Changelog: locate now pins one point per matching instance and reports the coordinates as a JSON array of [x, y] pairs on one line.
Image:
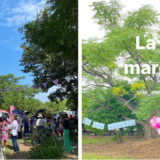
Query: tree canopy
[[50, 50], [103, 63], [25, 100]]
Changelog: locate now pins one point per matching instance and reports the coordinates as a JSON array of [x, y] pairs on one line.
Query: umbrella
[[17, 112], [26, 112], [40, 110]]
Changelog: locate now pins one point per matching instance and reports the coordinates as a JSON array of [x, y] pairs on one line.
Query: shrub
[[49, 148]]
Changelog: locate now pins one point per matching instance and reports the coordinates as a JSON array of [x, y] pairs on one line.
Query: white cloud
[[21, 13]]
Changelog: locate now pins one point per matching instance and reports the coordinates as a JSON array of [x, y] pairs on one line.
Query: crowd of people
[[61, 125]]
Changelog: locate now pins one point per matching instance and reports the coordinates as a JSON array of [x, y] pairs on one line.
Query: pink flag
[[11, 114], [55, 82], [44, 84], [17, 89], [35, 86]]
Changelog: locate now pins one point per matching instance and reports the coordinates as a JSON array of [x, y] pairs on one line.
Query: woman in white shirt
[[14, 128]]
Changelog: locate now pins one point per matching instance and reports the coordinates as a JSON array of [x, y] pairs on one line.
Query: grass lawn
[[95, 156], [25, 143], [92, 140]]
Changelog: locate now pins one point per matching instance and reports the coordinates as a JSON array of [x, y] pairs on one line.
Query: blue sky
[[13, 15]]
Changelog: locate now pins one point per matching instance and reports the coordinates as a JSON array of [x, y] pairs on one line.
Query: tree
[[50, 50], [101, 105], [103, 63], [23, 100]]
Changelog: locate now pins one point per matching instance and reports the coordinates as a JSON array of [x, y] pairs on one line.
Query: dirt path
[[25, 147], [131, 147]]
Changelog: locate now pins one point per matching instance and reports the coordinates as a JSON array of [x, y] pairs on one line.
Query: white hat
[[40, 115]]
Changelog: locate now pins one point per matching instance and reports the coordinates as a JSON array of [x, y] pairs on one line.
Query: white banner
[[98, 125], [87, 121], [122, 124]]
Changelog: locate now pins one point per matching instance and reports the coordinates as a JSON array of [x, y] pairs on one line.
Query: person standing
[[4, 132], [31, 123], [55, 126], [1, 148], [60, 129], [26, 124], [14, 129], [67, 134], [41, 125], [21, 125]]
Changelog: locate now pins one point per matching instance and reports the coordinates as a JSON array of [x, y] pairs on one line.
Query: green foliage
[[50, 40], [21, 100], [103, 65], [50, 148], [118, 137]]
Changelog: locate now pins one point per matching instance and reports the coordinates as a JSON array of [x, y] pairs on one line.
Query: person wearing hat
[[41, 125], [67, 133]]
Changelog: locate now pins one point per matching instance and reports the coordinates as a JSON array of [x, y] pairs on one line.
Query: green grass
[[86, 140], [95, 156]]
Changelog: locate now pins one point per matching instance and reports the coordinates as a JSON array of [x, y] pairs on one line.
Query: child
[[4, 132]]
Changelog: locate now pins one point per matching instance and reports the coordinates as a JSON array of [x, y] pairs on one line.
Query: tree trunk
[[149, 132]]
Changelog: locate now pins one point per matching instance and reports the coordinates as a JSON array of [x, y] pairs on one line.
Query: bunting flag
[[17, 89], [67, 78], [44, 84], [55, 82], [87, 121], [122, 124], [25, 88], [98, 125], [35, 86]]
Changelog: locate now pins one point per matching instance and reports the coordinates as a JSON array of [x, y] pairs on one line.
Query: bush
[[49, 148]]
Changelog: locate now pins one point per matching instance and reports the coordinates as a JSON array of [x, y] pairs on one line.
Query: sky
[[13, 15], [89, 29]]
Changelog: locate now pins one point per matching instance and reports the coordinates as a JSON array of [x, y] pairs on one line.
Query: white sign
[[122, 124], [87, 121], [98, 125]]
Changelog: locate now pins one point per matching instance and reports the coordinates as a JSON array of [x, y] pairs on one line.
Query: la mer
[[151, 44], [145, 68]]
